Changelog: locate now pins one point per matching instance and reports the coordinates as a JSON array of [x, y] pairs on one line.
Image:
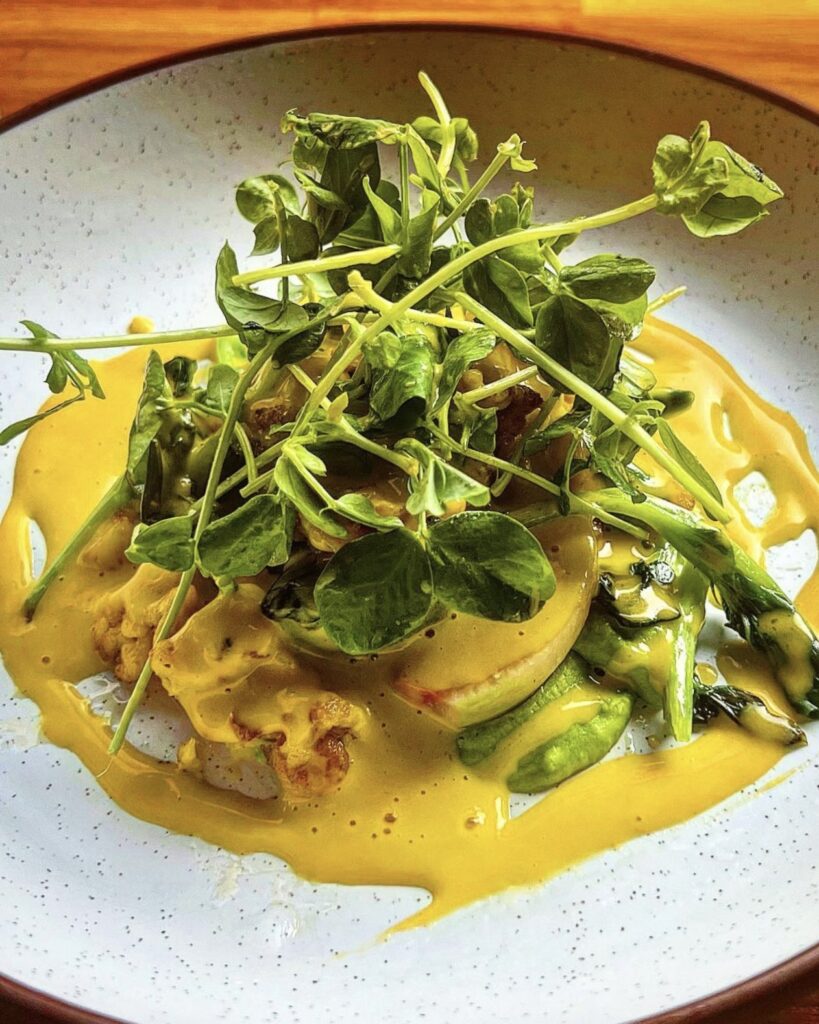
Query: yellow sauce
[[408, 812]]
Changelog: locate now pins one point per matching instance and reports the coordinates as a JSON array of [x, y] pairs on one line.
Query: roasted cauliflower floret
[[309, 753], [240, 684], [126, 619]]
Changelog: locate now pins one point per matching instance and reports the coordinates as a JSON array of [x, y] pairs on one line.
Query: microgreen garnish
[[433, 323]]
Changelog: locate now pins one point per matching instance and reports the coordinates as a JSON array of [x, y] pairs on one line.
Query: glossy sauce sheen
[[408, 813]]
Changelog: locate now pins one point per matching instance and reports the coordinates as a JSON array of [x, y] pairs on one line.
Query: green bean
[[579, 747], [477, 742], [748, 711], [655, 662], [624, 659], [754, 604]]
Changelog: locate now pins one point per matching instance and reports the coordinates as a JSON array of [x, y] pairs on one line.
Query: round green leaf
[[375, 591], [487, 564]]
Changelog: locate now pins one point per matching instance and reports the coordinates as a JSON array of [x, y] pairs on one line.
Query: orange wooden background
[[47, 46]]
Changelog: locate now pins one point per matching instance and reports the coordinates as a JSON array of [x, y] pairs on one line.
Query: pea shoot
[[420, 335]]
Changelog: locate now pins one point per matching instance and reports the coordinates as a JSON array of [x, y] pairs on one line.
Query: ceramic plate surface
[[116, 204]]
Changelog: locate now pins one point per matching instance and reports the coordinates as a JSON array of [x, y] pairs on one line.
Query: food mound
[[430, 457]]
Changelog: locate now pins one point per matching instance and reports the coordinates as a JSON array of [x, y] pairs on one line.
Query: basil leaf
[[266, 201], [167, 543], [366, 232], [576, 335], [222, 381], [487, 219], [231, 351], [687, 458], [57, 376], [148, 420], [501, 288], [683, 180], [21, 426], [247, 540], [84, 369], [467, 348], [301, 238], [38, 332], [424, 161], [180, 372], [267, 237], [259, 198], [294, 487], [629, 314], [344, 173], [388, 218], [439, 486], [480, 427], [254, 316], [375, 592], [487, 564], [360, 509], [383, 352], [611, 278], [403, 377], [66, 365], [323, 197], [414, 260], [742, 201], [715, 189], [302, 345], [339, 131], [466, 141]]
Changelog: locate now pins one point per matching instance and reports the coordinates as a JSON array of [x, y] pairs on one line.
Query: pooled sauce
[[408, 813]]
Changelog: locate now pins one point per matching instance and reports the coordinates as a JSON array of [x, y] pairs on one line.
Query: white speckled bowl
[[115, 204]]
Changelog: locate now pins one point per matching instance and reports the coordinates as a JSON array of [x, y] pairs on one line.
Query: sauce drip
[[408, 813]]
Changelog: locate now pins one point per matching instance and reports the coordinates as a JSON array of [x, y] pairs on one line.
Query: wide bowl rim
[[755, 987]]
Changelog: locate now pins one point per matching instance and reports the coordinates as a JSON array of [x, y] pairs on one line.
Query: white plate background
[[117, 204]]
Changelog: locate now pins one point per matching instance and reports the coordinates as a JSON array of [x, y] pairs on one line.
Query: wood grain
[[48, 46]]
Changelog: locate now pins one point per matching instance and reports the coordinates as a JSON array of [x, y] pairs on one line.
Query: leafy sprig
[[407, 288]]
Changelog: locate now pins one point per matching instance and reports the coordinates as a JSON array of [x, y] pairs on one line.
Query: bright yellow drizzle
[[409, 813]]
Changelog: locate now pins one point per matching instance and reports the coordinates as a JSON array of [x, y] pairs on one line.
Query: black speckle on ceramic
[[116, 205]]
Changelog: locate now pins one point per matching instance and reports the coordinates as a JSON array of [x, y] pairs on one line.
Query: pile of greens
[[387, 290]]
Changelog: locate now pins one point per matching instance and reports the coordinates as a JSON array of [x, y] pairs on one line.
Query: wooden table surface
[[47, 46]]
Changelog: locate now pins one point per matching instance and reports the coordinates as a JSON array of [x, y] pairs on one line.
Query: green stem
[[118, 340], [260, 481], [663, 300], [453, 269], [403, 158], [141, 685], [370, 298], [305, 380], [576, 504], [266, 383], [552, 258], [496, 165], [503, 482], [498, 386], [247, 451], [603, 405], [324, 263], [117, 495], [443, 115], [205, 511], [403, 462]]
